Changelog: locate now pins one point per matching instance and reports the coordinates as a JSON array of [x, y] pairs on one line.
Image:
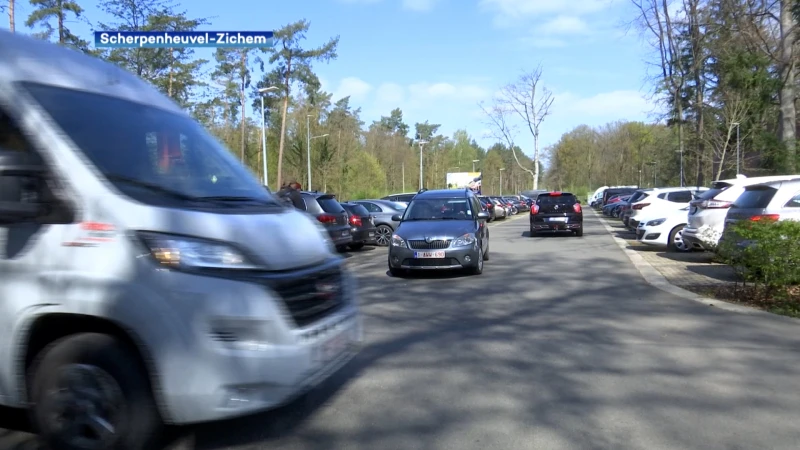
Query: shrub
[[766, 253]]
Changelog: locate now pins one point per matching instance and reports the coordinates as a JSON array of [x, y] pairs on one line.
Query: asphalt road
[[560, 344]]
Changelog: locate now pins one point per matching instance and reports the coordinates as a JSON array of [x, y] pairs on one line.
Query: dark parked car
[[362, 225], [382, 212], [489, 205], [441, 229], [330, 214], [556, 211]]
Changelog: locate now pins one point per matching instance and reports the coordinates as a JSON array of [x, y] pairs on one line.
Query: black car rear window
[[330, 205], [357, 210], [755, 197], [557, 199]]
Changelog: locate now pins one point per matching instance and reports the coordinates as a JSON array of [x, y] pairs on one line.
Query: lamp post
[[501, 181], [737, 148], [473, 163], [421, 143], [309, 155], [261, 92]]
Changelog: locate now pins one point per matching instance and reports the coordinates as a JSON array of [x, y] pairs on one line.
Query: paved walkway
[[694, 271]]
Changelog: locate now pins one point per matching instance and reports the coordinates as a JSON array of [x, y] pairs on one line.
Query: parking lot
[[560, 344]]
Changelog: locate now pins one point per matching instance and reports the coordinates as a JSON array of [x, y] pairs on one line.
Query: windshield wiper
[[152, 187]]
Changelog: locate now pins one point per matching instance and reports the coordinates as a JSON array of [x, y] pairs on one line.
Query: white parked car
[[707, 213], [665, 231], [661, 201]]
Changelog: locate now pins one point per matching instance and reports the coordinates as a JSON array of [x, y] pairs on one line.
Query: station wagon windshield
[[148, 152], [439, 209]]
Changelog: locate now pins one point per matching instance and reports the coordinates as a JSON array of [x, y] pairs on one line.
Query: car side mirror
[[21, 178], [483, 215], [397, 218]]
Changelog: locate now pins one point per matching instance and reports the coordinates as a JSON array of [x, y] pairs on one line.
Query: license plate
[[429, 254], [345, 233], [558, 219], [332, 348], [371, 234]]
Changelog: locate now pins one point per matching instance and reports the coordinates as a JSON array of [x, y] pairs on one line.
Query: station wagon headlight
[[464, 241], [179, 252], [397, 241], [655, 223]]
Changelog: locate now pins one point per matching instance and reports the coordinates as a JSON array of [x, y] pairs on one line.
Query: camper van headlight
[[191, 253]]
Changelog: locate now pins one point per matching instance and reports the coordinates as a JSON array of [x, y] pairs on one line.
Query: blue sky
[[437, 59]]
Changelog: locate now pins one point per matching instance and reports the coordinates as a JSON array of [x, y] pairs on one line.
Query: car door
[[480, 224]]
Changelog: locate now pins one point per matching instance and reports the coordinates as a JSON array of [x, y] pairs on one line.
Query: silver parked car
[[775, 200], [441, 229], [382, 212]]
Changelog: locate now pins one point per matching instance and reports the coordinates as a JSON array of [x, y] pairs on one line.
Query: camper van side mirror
[[20, 186]]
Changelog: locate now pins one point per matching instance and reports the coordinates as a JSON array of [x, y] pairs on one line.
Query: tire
[[357, 246], [579, 231], [676, 243], [341, 248], [107, 368], [532, 233], [486, 253], [396, 272], [383, 235], [478, 268]]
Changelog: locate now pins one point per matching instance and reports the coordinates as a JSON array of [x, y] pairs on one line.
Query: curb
[[653, 277]]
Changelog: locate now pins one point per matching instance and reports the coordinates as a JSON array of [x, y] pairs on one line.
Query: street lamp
[[263, 91], [501, 181], [737, 147], [421, 143], [473, 163], [309, 156], [655, 170]]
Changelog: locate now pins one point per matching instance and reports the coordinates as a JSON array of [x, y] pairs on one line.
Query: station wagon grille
[[439, 244], [311, 297], [436, 262]]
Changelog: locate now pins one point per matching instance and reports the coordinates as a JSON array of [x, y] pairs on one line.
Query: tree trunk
[[787, 93], [60, 24], [243, 62], [283, 123], [11, 15]]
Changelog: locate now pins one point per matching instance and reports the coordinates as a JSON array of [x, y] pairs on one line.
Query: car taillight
[[490, 206], [714, 204], [326, 218], [355, 221], [766, 218], [535, 209], [639, 206], [577, 207]]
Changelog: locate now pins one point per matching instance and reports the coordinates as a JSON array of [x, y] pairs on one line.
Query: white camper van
[[145, 275]]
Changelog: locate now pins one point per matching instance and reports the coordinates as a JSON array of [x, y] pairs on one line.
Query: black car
[[362, 225], [556, 211], [489, 206], [330, 213]]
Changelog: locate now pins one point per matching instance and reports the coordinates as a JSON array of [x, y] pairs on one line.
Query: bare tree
[[502, 130], [655, 20], [531, 102], [10, 9]]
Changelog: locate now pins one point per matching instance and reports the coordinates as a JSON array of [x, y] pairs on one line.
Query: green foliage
[[766, 253], [48, 11]]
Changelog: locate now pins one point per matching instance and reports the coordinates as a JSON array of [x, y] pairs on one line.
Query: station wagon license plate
[[439, 254], [371, 234], [558, 219]]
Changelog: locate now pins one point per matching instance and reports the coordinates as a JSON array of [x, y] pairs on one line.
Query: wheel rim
[[85, 407], [678, 241], [384, 235], [480, 261]]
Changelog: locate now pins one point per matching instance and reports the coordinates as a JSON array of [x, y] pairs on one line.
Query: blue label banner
[[183, 39]]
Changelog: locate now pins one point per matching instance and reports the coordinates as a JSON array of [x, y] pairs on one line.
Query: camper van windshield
[[147, 150]]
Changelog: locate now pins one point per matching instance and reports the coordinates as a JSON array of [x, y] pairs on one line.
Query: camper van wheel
[[90, 392]]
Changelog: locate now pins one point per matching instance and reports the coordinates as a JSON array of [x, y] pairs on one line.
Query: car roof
[[777, 183], [444, 193], [26, 59]]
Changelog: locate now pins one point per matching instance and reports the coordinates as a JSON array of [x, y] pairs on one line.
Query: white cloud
[[356, 88], [564, 25], [512, 11], [389, 94]]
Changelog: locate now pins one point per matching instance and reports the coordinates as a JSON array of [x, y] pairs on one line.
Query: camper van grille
[[311, 297]]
